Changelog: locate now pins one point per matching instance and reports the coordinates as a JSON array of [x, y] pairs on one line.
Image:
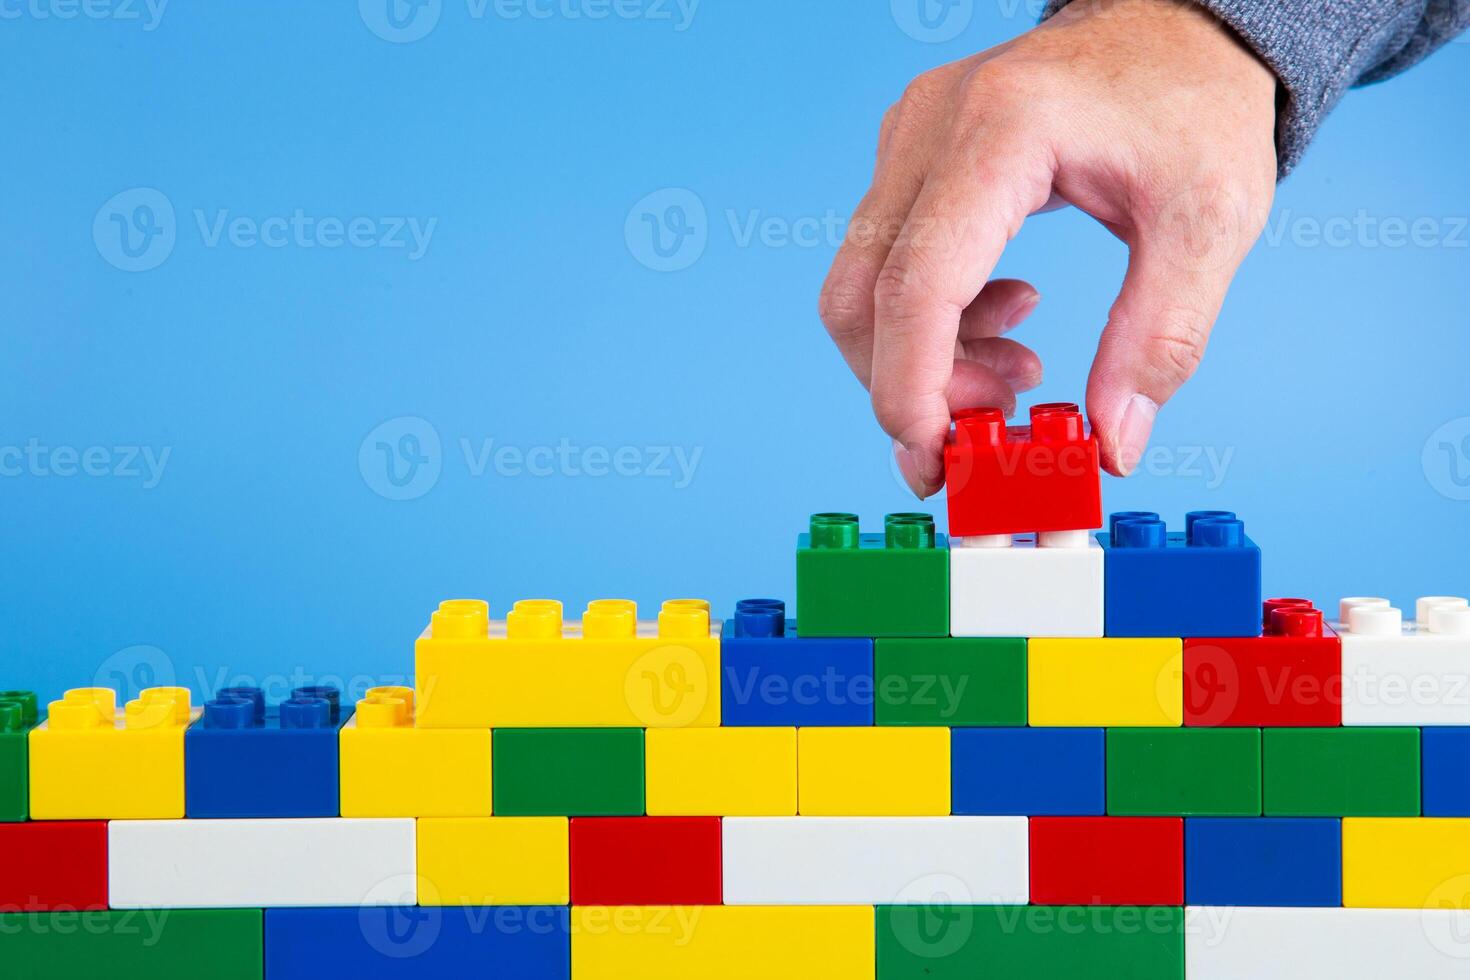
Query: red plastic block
[[1289, 677], [53, 866], [646, 861], [1107, 861], [1041, 477]]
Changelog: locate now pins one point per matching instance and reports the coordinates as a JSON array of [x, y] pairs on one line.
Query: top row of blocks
[[1137, 579]]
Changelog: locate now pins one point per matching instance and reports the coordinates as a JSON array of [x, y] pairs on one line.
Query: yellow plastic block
[[88, 762], [535, 671], [873, 772], [723, 942], [1406, 863], [392, 769], [1114, 681], [723, 772], [493, 861]]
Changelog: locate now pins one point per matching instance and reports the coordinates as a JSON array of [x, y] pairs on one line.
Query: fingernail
[[1138, 423], [1021, 311], [908, 466]]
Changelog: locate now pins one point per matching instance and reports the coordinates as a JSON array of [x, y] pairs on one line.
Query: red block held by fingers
[[53, 866], [1107, 861], [646, 861], [1290, 676], [1019, 479]]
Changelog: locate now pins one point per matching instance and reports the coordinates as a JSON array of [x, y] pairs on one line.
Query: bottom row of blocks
[[729, 943]]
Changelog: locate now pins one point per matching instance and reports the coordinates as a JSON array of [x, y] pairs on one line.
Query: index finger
[[960, 224]]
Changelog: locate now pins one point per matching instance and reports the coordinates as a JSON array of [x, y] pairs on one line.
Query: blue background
[[271, 551]]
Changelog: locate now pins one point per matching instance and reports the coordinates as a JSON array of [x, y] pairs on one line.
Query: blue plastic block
[[242, 760], [1033, 772], [510, 942], [771, 676], [1203, 582], [1445, 755], [1264, 861]]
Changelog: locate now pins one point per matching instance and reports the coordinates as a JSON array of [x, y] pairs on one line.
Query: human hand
[[1146, 114]]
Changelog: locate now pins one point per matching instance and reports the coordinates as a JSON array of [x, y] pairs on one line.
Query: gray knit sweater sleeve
[[1320, 48]]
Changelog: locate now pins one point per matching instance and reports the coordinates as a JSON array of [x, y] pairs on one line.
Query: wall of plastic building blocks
[[270, 447]]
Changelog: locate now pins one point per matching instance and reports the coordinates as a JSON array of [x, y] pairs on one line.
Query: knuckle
[[1177, 347], [924, 93], [843, 304]]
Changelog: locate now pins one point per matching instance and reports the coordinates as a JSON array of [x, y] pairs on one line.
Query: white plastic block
[[1405, 673], [1326, 944], [180, 864], [876, 860], [1001, 586]]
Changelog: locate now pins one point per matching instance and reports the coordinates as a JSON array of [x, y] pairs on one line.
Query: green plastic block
[[890, 584], [159, 944], [1020, 942], [1341, 772], [567, 772], [950, 682], [1184, 772], [17, 718]]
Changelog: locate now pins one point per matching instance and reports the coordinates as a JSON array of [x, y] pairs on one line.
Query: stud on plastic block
[[646, 861], [1291, 675], [1268, 861], [536, 671], [502, 943], [770, 676], [1028, 771], [1405, 673], [872, 585], [52, 866], [1107, 861], [17, 718], [89, 761], [1008, 480], [391, 768], [1049, 584], [242, 759], [1204, 581]]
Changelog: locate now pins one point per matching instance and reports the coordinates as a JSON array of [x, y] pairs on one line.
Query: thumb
[[1155, 337]]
